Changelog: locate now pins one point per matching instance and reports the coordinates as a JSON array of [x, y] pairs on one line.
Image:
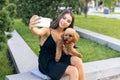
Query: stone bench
[[25, 61], [21, 54]]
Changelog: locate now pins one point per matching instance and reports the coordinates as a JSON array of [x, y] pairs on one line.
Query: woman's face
[[65, 21]]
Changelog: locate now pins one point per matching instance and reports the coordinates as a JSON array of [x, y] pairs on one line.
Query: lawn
[[5, 67], [106, 26]]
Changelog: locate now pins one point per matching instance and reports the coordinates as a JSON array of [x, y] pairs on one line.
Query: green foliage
[[71, 4], [109, 3], [11, 8], [5, 21], [3, 3], [13, 1], [2, 38], [2, 45], [46, 8], [7, 13]]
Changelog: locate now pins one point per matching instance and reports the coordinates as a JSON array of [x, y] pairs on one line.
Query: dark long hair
[[55, 24]]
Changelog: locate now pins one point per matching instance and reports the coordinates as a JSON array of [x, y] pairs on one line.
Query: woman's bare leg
[[72, 71], [77, 62]]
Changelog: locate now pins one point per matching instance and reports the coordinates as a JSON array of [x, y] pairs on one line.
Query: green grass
[[91, 51], [106, 26], [5, 67]]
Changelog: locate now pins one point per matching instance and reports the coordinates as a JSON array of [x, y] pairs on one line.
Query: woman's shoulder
[[46, 30]]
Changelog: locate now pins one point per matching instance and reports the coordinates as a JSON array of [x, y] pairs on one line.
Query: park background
[[15, 14]]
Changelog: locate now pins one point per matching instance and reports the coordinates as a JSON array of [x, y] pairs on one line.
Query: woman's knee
[[72, 70], [76, 61]]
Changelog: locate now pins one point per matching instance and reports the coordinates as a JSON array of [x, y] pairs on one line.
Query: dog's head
[[70, 35]]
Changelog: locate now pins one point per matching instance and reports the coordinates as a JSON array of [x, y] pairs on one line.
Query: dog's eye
[[66, 35], [70, 35]]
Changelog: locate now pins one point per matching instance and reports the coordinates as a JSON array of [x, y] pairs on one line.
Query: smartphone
[[43, 22]]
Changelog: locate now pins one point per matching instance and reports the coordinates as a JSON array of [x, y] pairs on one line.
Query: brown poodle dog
[[69, 37]]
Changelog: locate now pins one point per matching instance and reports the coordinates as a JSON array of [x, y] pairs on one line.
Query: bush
[[7, 14], [5, 21]]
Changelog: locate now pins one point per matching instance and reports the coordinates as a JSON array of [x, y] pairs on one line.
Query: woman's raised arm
[[37, 31]]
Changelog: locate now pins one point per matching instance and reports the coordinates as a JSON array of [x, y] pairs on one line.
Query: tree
[[11, 8], [6, 19], [109, 3], [83, 4], [46, 8]]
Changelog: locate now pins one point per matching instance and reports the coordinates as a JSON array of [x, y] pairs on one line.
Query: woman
[[68, 65]]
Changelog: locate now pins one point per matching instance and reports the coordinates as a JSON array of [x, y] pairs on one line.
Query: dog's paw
[[80, 55]]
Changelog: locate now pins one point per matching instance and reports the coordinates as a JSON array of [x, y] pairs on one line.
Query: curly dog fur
[[69, 37]]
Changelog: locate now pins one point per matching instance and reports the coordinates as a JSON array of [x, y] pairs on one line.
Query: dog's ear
[[76, 37]]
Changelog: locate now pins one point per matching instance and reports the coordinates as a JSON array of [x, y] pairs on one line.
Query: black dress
[[47, 63]]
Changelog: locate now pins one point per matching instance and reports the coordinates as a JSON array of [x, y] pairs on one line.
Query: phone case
[[43, 22]]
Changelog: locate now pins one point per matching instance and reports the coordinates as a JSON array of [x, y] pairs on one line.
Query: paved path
[[117, 16]]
